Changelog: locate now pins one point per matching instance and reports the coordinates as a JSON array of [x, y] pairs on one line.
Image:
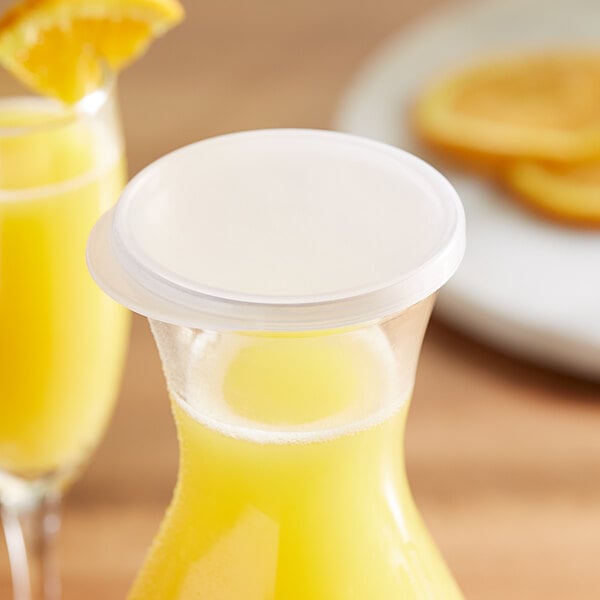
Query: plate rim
[[548, 347]]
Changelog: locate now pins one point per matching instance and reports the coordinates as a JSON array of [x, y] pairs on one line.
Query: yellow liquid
[[291, 482], [62, 340]]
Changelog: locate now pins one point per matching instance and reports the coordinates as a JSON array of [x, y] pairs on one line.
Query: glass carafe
[[290, 397]]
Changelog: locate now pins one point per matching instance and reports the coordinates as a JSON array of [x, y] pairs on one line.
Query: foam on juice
[[291, 389]]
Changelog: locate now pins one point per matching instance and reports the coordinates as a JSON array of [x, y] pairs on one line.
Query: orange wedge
[[542, 107], [567, 193], [62, 48]]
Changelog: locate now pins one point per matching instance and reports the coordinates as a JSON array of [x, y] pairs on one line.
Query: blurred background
[[503, 456]]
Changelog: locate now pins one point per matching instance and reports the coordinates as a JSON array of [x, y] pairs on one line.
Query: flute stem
[[31, 531]]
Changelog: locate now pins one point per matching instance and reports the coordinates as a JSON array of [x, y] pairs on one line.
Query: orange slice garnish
[[543, 107], [61, 47]]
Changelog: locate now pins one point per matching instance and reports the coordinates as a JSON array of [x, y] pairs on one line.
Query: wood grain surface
[[504, 458]]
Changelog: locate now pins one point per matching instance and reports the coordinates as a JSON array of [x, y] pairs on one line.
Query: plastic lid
[[279, 230]]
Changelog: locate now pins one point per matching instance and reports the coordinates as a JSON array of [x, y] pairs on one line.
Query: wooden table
[[504, 458]]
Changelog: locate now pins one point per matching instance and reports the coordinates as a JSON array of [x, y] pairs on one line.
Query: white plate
[[526, 285]]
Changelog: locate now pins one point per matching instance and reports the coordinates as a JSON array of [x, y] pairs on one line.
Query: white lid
[[279, 230]]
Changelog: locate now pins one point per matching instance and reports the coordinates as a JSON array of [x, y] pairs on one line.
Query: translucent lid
[[279, 230]]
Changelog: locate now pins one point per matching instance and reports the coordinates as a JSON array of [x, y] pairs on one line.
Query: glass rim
[[60, 117], [89, 106]]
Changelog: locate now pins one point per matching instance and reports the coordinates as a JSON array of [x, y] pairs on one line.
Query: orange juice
[[291, 482], [62, 341]]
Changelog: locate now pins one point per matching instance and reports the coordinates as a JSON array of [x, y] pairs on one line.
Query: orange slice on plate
[[62, 47], [542, 106], [567, 193]]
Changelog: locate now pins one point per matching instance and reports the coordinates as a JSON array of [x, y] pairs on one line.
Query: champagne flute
[[62, 342]]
